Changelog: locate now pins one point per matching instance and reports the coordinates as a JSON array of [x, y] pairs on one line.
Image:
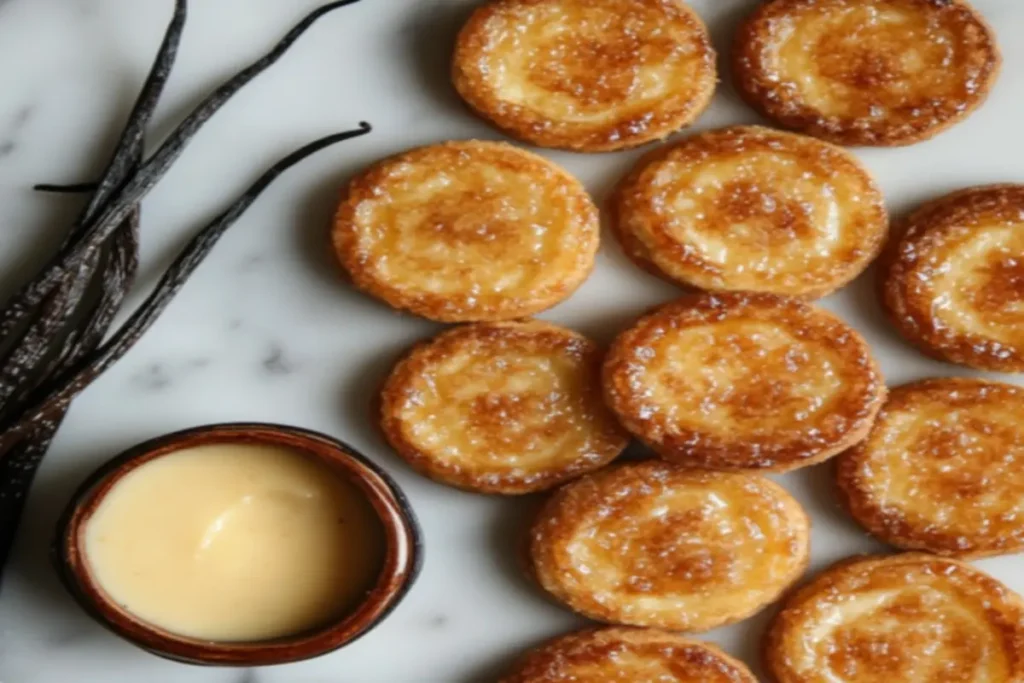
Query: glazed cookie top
[[743, 381], [866, 72], [953, 283], [752, 209], [906, 617], [587, 75], [655, 544], [627, 655], [943, 469], [501, 408], [467, 231]]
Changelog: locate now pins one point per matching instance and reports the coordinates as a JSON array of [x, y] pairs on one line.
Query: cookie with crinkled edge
[[467, 231], [740, 381], [953, 281], [866, 72], [506, 408], [654, 544], [749, 208], [941, 470], [586, 75], [909, 617], [627, 654]]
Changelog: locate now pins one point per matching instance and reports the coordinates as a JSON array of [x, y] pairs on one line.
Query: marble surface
[[266, 330]]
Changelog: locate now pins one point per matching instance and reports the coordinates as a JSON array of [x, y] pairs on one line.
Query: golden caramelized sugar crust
[[654, 544], [866, 72], [743, 381], [627, 655], [953, 283], [904, 618], [501, 408], [587, 75], [750, 208], [943, 469], [467, 231]]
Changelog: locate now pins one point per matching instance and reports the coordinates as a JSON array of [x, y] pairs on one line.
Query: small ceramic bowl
[[401, 565]]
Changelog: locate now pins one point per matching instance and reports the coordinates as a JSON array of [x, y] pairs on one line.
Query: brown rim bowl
[[403, 555]]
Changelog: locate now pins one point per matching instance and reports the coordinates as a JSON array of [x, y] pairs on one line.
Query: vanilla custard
[[235, 542]]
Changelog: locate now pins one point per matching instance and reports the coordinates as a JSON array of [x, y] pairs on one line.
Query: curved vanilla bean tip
[[114, 211], [129, 147], [71, 188], [49, 398]]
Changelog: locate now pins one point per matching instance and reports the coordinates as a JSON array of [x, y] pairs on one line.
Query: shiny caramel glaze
[[655, 544], [586, 75], [743, 381], [467, 231], [627, 655], [943, 469], [953, 283], [866, 72], [750, 208], [501, 408], [903, 618]]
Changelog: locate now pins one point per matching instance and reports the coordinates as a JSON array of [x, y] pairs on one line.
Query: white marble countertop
[[266, 330]]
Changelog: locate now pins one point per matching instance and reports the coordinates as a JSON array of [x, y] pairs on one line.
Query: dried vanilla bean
[[116, 210]]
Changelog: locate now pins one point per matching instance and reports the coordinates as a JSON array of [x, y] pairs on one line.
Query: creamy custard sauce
[[235, 542]]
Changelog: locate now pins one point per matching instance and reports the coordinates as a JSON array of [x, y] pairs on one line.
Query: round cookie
[[586, 75], [467, 231], [752, 209], [501, 408], [943, 469], [655, 544], [866, 72], [953, 283], [743, 381], [629, 655], [909, 617]]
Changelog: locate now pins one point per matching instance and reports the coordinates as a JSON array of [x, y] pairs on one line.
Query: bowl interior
[[399, 567]]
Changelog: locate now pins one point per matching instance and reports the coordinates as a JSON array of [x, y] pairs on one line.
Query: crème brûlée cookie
[[743, 381], [752, 209], [866, 72], [943, 469], [953, 282], [910, 617], [467, 231], [627, 655], [507, 408], [655, 544], [586, 75]]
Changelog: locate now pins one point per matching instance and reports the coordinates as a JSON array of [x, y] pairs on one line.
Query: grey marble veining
[[276, 361], [268, 331], [9, 134]]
